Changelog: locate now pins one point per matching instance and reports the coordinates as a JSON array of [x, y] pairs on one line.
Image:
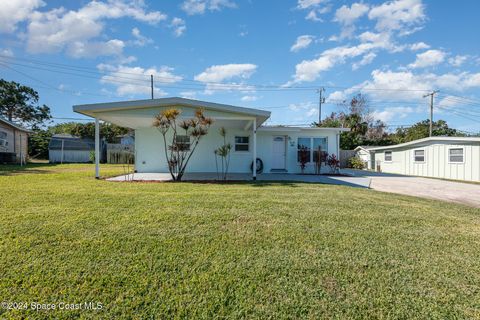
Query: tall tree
[[421, 130], [20, 103], [87, 130]]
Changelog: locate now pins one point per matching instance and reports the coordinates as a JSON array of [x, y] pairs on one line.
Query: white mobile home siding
[[436, 162]]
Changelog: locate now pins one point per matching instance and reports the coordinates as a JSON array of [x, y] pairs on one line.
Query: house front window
[[242, 143], [312, 144], [3, 140], [419, 155], [455, 155], [388, 156], [183, 142]]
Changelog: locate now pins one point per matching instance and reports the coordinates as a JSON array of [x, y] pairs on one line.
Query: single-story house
[[276, 146], [455, 158], [13, 142], [363, 152], [65, 148]]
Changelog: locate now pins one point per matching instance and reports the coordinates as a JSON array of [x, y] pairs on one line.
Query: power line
[[198, 82]]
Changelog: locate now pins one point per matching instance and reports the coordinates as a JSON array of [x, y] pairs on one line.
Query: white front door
[[278, 152]]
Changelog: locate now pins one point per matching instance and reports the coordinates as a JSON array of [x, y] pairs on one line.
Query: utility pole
[[151, 83], [320, 101], [433, 93]]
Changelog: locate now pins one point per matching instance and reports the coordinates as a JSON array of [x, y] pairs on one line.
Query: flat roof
[[88, 109], [429, 139], [295, 128]]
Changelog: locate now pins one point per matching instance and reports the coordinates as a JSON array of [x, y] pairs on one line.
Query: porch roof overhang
[[139, 113]]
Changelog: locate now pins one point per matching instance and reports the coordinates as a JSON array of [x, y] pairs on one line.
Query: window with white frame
[[3, 139], [455, 155], [242, 143], [312, 144], [183, 142], [419, 155], [388, 156]]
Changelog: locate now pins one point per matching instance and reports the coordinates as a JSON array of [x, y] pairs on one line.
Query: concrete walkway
[[464, 193], [360, 182]]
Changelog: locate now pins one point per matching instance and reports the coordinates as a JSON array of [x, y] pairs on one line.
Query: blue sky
[[264, 54]]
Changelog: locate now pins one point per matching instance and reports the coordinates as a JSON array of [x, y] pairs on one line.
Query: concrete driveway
[[464, 193]]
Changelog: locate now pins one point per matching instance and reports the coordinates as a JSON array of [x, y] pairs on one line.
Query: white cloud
[[92, 49], [249, 98], [310, 70], [59, 29], [219, 73], [306, 4], [390, 113], [178, 26], [193, 7], [140, 40], [302, 42], [7, 52], [135, 80], [188, 94], [398, 15], [458, 60], [314, 8], [367, 59], [428, 58], [15, 11], [419, 46], [346, 16]]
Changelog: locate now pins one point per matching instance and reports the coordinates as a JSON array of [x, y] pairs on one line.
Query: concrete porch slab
[[360, 182]]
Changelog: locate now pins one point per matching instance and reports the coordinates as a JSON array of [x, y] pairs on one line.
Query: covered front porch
[[345, 180]]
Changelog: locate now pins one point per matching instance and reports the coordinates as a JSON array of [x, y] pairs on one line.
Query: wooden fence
[[345, 155]]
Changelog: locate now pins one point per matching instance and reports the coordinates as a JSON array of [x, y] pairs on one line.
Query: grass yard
[[243, 250]]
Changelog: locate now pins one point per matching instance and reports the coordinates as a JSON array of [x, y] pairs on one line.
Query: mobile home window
[[388, 155], [419, 155], [455, 155], [183, 142], [241, 143]]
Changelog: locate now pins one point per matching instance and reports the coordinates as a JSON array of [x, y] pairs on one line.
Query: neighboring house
[[125, 139], [276, 146], [13, 142], [363, 152], [123, 150], [455, 158], [65, 148]]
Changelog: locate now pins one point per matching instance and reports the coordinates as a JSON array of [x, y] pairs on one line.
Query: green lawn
[[244, 250]]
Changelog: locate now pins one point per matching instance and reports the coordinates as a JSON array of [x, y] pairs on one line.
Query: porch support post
[[254, 171], [97, 149]]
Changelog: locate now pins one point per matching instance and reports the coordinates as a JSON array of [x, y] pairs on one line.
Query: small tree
[[178, 151], [333, 163], [224, 153]]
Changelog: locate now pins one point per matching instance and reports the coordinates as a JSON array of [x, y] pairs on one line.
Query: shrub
[[356, 163]]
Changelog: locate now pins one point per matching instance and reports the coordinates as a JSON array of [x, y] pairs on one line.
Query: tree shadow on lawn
[[30, 168]]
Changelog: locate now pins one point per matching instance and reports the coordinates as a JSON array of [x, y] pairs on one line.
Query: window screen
[[388, 155], [455, 155], [241, 144], [419, 155]]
